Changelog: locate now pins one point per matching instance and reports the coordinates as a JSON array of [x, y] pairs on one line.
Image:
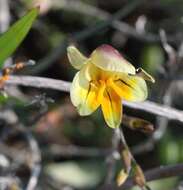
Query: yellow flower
[[105, 78]]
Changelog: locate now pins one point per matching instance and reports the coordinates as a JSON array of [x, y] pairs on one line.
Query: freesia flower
[[105, 79]]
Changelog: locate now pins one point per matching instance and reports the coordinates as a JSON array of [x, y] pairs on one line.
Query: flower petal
[[111, 108], [90, 71], [109, 59], [131, 88], [84, 95], [76, 58], [93, 73]]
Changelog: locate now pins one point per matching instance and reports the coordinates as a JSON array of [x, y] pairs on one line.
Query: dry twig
[[46, 83], [113, 20], [4, 15], [158, 173], [35, 164]]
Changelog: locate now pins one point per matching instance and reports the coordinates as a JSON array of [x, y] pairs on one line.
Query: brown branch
[[151, 175], [158, 173], [148, 106]]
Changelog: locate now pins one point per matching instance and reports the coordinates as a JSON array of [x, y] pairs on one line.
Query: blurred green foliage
[[152, 58], [170, 149]]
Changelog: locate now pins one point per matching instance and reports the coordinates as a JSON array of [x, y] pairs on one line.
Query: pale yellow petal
[[90, 72], [94, 73], [109, 59], [111, 108], [131, 88], [84, 95], [76, 58]]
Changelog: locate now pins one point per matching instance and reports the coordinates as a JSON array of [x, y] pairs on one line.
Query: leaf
[[11, 39]]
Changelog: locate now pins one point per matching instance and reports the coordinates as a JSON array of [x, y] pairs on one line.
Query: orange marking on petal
[[131, 88]]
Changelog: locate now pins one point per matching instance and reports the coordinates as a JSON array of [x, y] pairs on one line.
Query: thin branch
[[82, 35], [158, 173], [36, 160], [165, 96], [46, 83], [112, 158], [156, 109], [66, 151], [35, 163], [39, 82], [90, 10], [168, 48], [4, 15]]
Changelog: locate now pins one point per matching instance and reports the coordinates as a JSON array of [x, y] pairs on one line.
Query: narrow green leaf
[[12, 38]]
